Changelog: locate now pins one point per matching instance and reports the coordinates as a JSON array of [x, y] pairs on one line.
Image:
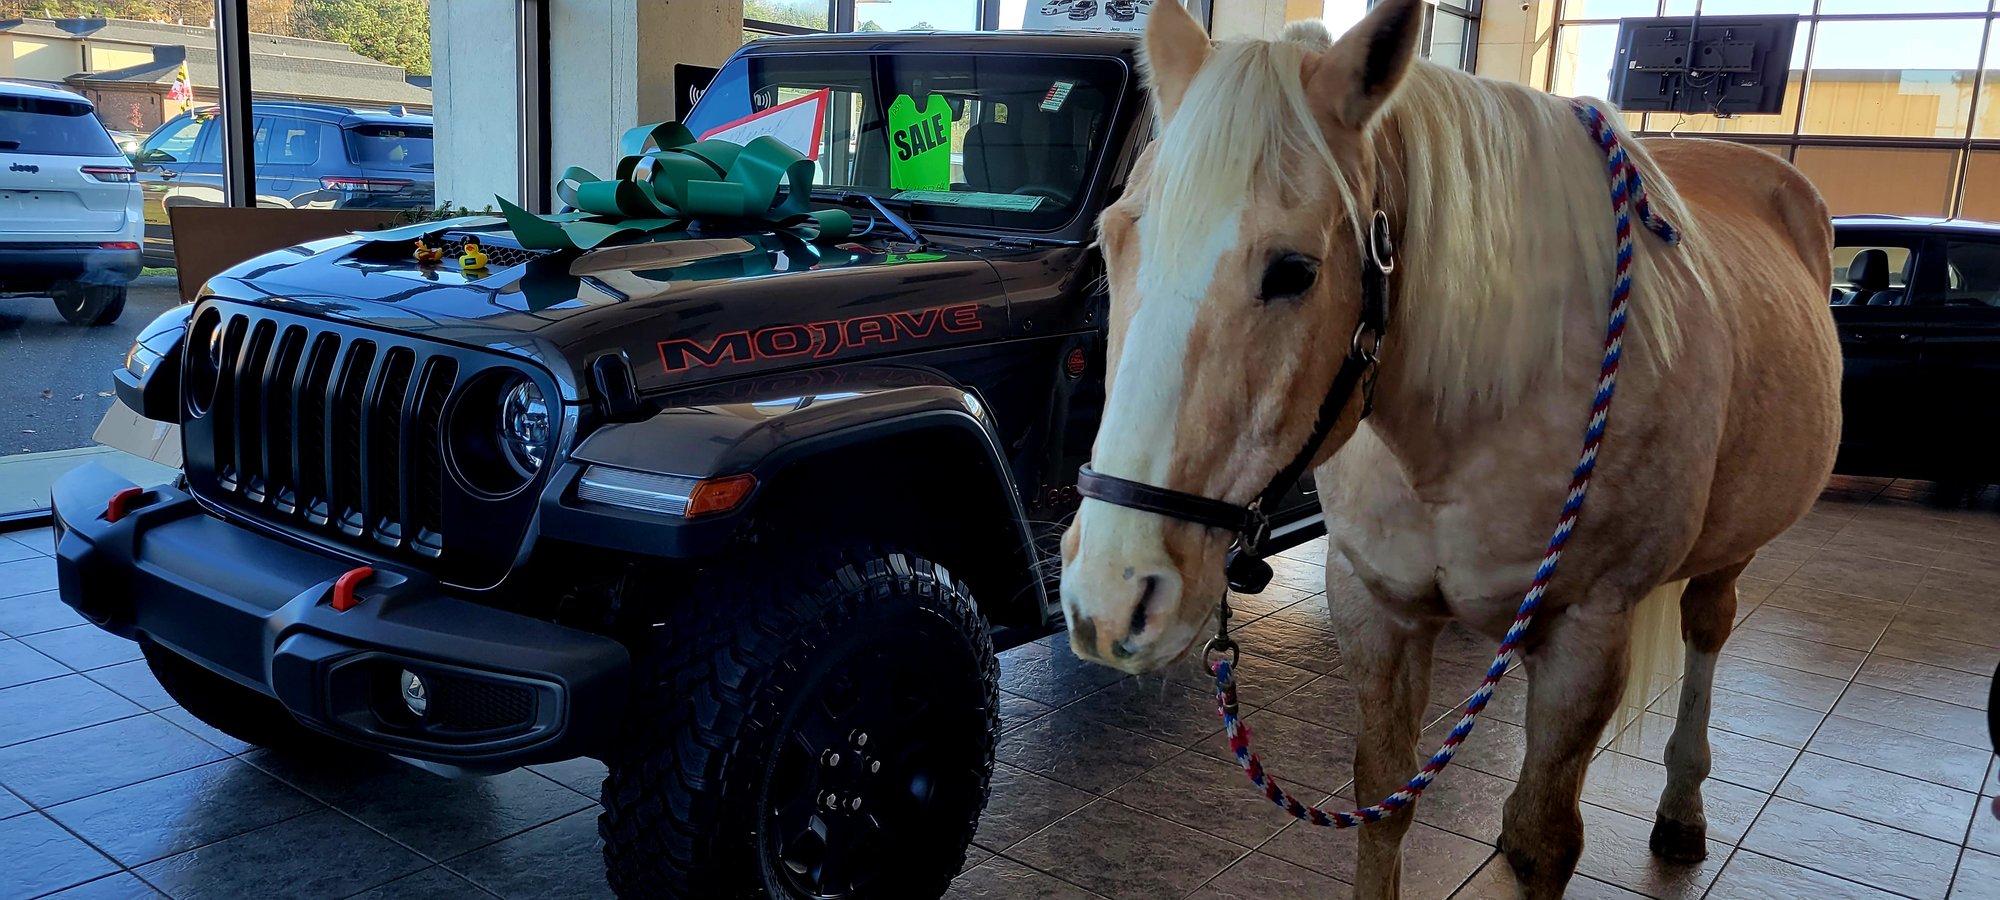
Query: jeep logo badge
[[24, 167]]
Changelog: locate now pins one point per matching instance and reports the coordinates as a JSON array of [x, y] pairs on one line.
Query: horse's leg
[[1575, 678], [1708, 608], [1388, 659]]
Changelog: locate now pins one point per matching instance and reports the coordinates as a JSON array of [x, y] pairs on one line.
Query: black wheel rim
[[876, 763]]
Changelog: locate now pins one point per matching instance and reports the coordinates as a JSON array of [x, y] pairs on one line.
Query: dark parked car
[[307, 156], [743, 516], [1917, 302]]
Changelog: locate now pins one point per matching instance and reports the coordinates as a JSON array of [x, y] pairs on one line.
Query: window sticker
[[920, 139], [1058, 92], [797, 124], [974, 200]]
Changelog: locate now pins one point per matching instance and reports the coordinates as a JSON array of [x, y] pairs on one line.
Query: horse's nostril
[[1086, 630], [1147, 587]]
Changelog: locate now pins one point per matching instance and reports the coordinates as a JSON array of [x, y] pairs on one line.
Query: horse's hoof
[[1679, 842]]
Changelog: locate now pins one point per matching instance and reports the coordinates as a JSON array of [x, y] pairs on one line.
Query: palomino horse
[[1236, 260]]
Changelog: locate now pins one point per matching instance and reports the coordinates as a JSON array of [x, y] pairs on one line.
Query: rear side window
[[390, 146], [1974, 273], [284, 140], [52, 127]]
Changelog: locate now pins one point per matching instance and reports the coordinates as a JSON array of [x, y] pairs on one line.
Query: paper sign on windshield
[[974, 200], [920, 144], [797, 124]]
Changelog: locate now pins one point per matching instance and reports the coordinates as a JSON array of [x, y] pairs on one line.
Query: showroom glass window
[[1451, 27], [341, 120], [1887, 107]]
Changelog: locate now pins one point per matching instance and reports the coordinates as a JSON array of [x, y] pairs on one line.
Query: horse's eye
[[1287, 277]]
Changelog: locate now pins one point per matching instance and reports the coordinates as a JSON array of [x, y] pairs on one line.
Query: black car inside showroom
[[814, 449]]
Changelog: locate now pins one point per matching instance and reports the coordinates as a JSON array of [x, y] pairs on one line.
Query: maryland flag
[[183, 90]]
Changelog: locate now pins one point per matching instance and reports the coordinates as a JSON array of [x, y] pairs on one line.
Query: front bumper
[[504, 689], [36, 267]]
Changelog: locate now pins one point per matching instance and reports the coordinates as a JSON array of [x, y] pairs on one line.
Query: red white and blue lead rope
[[1628, 195]]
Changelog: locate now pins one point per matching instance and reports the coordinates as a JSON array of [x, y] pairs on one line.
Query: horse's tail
[[1655, 656]]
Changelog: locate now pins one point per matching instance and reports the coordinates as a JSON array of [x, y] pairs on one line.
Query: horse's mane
[[1505, 209]]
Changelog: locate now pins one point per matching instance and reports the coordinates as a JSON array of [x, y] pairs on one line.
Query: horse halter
[[1247, 572]]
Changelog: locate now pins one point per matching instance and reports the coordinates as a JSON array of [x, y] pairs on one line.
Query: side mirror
[[150, 382], [156, 157]]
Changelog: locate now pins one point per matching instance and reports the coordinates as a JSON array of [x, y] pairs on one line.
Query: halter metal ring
[[1381, 248], [1217, 645], [1367, 342]]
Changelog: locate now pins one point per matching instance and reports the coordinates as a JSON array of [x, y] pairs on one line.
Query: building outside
[[128, 68]]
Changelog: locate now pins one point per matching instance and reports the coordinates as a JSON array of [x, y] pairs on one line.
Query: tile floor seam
[[1798, 865], [121, 867], [1222, 871], [233, 754], [462, 876], [1059, 879], [1765, 807], [357, 820], [143, 712], [1872, 768]]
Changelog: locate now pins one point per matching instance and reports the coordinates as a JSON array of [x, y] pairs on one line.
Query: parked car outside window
[[307, 156], [69, 208]]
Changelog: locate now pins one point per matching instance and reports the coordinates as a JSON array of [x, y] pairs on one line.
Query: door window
[[173, 143], [1871, 275], [285, 140], [1972, 272]]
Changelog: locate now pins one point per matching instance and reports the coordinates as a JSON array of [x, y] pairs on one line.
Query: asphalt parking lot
[[55, 378]]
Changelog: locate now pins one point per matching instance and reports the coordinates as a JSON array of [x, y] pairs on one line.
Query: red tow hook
[[122, 503], [343, 588]]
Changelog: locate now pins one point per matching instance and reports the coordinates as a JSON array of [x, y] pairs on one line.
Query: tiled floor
[[1849, 742]]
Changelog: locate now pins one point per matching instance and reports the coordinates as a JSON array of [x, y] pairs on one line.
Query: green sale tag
[[921, 139]]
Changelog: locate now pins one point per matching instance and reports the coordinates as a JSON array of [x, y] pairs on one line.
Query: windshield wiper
[[895, 221]]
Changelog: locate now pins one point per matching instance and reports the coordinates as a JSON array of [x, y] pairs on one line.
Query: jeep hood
[[682, 309]]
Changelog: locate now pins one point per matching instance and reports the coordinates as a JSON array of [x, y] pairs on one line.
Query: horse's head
[[1235, 262]]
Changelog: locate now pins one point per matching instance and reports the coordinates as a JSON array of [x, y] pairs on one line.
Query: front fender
[[763, 426]]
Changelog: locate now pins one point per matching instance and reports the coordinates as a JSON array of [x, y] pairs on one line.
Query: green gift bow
[[679, 181]]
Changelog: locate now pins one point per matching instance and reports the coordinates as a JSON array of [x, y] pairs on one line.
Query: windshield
[[962, 138], [52, 127]]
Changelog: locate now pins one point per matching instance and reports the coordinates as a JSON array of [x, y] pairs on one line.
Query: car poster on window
[[1094, 15], [798, 124]]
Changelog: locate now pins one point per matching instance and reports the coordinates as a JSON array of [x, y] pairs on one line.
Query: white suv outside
[[70, 214]]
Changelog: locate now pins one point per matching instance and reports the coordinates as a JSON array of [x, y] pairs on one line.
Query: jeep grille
[[339, 434]]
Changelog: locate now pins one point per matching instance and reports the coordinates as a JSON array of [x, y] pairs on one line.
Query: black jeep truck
[[745, 517]]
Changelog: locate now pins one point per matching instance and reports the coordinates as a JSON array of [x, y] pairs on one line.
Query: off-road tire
[[89, 305], [733, 674], [228, 707]]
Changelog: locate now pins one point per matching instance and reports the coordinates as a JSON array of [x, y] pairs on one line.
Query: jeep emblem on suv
[[24, 167]]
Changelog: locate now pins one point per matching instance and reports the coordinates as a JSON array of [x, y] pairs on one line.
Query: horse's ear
[[1174, 50], [1349, 83]]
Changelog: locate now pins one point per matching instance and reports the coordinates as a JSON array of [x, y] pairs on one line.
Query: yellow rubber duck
[[473, 257], [428, 255]]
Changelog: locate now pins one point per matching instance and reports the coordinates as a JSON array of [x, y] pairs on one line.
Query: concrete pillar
[[611, 66], [1517, 40], [476, 146], [1253, 18]]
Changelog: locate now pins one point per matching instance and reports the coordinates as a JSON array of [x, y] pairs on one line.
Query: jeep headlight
[[525, 427]]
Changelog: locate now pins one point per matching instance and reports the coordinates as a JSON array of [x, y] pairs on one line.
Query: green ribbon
[[679, 181]]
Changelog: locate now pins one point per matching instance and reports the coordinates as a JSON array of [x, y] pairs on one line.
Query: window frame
[[1796, 137]]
